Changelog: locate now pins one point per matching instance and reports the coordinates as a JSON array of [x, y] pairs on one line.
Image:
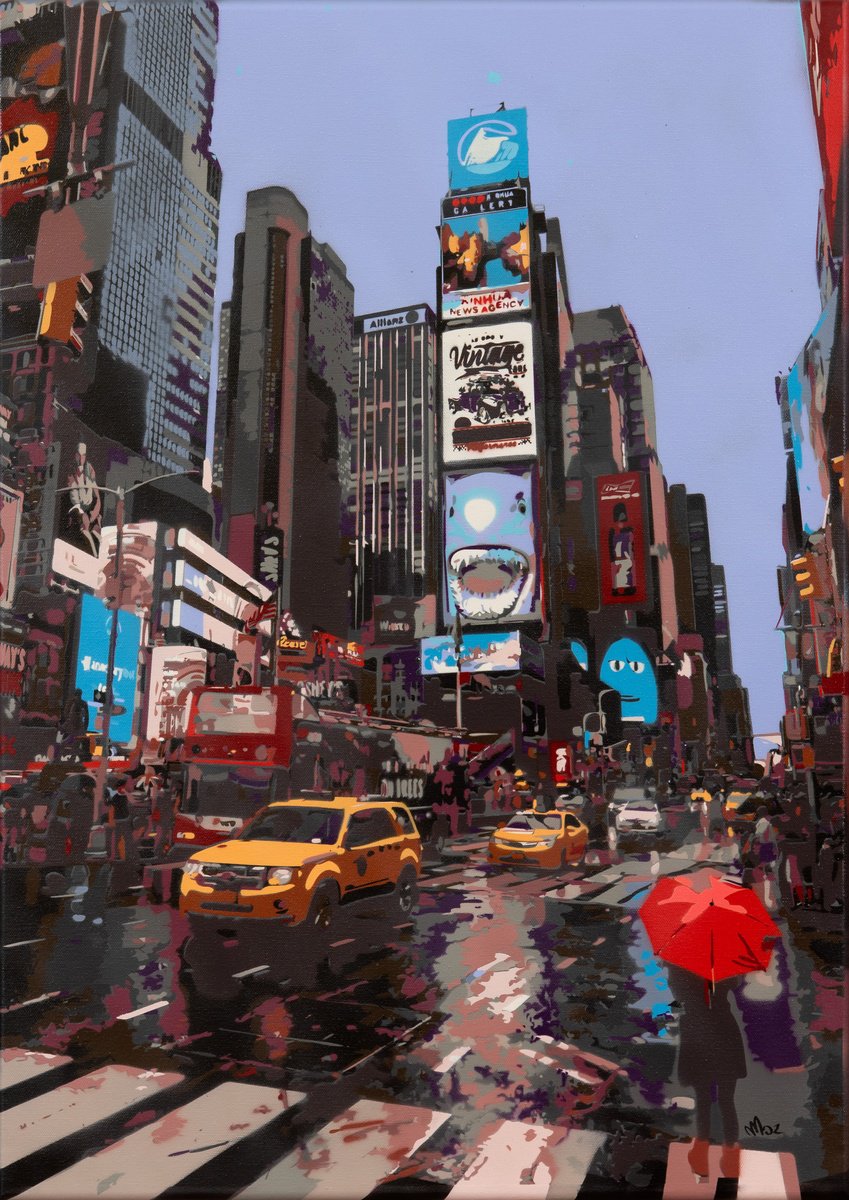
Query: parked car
[[298, 860], [539, 839], [640, 816]]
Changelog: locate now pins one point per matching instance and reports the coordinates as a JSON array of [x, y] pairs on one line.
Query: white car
[[640, 816]]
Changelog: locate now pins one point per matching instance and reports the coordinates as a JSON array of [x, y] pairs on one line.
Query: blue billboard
[[628, 670], [488, 149], [92, 655], [806, 400]]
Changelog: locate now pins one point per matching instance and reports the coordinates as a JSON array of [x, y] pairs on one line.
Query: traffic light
[[807, 573], [63, 311]]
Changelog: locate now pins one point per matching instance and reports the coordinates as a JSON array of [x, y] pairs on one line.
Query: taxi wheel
[[322, 912], [406, 892]]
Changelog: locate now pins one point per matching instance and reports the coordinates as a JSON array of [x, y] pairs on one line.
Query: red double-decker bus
[[235, 758]]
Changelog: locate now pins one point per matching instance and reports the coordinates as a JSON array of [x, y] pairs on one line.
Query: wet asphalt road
[[509, 997]]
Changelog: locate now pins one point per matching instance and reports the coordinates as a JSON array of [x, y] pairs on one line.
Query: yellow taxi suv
[[539, 839], [298, 860]]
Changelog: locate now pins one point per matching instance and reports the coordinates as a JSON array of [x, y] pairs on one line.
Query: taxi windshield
[[304, 825], [535, 821]]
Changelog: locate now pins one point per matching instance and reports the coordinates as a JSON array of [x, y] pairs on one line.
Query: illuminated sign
[[488, 393], [395, 320], [627, 668], [480, 653], [486, 254], [622, 555], [26, 145], [92, 655], [488, 149], [491, 560]]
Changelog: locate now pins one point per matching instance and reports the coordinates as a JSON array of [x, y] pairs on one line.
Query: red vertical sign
[[560, 755], [621, 538]]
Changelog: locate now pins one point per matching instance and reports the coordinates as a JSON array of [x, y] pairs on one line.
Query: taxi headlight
[[280, 875], [546, 843], [192, 868]]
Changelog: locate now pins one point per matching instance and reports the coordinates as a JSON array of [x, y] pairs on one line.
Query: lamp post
[[458, 646], [106, 717]]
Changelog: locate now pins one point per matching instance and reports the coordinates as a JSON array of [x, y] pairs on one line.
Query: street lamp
[[457, 633], [106, 719]]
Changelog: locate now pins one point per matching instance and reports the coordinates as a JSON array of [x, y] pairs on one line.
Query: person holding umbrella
[[709, 930]]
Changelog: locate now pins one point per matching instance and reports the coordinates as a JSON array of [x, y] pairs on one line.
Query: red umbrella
[[709, 925]]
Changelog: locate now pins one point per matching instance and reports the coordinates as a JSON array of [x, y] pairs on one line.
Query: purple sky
[[675, 142]]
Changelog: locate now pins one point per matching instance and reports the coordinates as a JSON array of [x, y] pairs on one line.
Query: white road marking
[[19, 1065], [450, 1059], [148, 1161], [27, 1003], [363, 1146], [250, 971], [137, 1012], [30, 942], [31, 1127]]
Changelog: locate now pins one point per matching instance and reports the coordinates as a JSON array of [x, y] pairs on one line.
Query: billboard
[[11, 505], [92, 653], [174, 670], [26, 148], [486, 254], [621, 538], [488, 393], [480, 653], [806, 402], [488, 149], [628, 670], [395, 320], [490, 537]]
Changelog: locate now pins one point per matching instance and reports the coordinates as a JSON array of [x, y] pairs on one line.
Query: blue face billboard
[[491, 562], [627, 669], [92, 655], [488, 149]]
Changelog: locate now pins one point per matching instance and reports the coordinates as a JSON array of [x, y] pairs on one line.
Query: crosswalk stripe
[[18, 1065], [763, 1175], [157, 1157], [358, 1149], [38, 1123], [529, 1161]]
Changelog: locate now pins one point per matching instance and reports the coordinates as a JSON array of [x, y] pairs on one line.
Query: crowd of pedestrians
[[54, 820]]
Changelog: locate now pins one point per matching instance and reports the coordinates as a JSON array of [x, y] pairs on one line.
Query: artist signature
[[756, 1128]]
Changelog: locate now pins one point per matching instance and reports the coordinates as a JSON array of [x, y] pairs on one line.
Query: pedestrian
[[711, 1056], [164, 817], [118, 790], [764, 840], [715, 814]]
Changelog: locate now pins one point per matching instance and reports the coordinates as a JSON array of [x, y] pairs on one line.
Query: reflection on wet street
[[516, 1015]]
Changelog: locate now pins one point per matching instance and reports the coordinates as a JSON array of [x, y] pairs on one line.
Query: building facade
[[393, 437], [290, 376]]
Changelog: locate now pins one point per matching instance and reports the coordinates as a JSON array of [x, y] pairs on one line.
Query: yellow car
[[539, 839], [298, 860]]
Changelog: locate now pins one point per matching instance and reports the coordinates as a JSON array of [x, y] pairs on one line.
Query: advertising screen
[[479, 653], [488, 393], [621, 538], [491, 557], [488, 149], [806, 401], [485, 254], [95, 623], [627, 669]]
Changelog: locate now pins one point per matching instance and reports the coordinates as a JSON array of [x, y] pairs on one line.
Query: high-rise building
[[393, 437], [156, 293], [290, 379], [220, 426]]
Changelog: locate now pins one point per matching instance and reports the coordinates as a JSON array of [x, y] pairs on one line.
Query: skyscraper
[[290, 378], [156, 295], [393, 433]]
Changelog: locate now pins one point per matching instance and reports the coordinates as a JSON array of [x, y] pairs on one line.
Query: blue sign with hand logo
[[488, 149], [92, 658]]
